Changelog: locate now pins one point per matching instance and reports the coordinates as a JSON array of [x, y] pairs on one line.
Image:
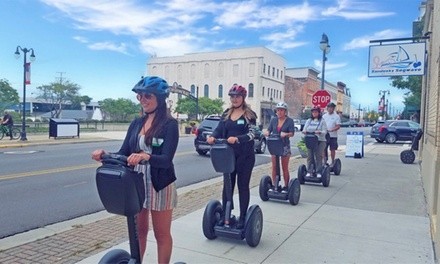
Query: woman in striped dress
[[153, 138]]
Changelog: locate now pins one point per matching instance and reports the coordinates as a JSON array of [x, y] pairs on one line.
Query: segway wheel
[[294, 191], [254, 226], [407, 156], [302, 171], [325, 176], [265, 184], [211, 216], [337, 167], [115, 256]]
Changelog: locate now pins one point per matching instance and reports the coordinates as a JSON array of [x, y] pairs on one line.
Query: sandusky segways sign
[[355, 144]]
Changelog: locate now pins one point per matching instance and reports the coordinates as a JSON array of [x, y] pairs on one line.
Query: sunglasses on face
[[235, 96], [141, 96]]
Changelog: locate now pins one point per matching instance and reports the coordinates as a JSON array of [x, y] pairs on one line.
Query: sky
[[104, 45]]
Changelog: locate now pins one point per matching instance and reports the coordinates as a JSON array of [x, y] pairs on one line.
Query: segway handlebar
[[118, 159]]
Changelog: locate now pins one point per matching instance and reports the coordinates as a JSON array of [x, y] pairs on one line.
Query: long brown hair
[[248, 113], [161, 117]]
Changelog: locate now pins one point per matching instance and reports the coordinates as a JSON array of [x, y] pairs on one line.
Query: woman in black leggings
[[235, 127]]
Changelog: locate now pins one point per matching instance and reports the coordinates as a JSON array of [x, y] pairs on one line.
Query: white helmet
[[281, 105]]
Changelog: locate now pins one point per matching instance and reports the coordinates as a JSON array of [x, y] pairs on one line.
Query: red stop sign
[[321, 98]]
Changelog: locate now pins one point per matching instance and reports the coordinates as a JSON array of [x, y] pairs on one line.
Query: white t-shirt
[[332, 120]]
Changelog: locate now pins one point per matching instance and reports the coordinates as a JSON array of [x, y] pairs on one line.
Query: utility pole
[[61, 77], [359, 112]]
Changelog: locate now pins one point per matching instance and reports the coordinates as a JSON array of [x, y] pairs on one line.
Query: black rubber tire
[[407, 156], [302, 171], [265, 184], [391, 138], [115, 256], [325, 176], [254, 226], [262, 148], [337, 167], [16, 133], [294, 191], [202, 152], [211, 216], [2, 135]]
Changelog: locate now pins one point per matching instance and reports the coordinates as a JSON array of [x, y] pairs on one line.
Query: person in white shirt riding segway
[[333, 121]]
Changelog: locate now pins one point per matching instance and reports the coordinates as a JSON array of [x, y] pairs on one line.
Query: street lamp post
[[325, 47], [382, 101], [32, 58]]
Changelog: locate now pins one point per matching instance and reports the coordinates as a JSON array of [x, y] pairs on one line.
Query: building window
[[262, 92], [235, 70], [273, 71], [221, 69], [278, 72], [206, 70], [264, 68], [220, 91], [206, 90], [251, 69], [251, 90], [193, 71], [268, 69], [269, 92], [193, 90], [281, 95], [281, 74]]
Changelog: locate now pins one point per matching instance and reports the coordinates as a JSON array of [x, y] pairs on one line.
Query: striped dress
[[165, 199]]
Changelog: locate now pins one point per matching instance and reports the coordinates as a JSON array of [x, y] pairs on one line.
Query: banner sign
[[27, 70], [397, 60], [354, 144]]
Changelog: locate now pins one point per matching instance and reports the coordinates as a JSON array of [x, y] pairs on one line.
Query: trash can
[[63, 128]]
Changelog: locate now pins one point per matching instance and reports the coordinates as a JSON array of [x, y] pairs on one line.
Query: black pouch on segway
[[275, 145], [222, 158], [120, 188], [311, 141]]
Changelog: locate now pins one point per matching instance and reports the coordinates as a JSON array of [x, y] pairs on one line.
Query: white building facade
[[212, 74]]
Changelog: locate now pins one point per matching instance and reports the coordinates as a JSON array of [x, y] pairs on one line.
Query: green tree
[[58, 94], [121, 109], [77, 100], [8, 95], [186, 106], [413, 87], [209, 106]]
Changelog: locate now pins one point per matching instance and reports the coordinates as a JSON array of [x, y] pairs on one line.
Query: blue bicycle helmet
[[153, 85]]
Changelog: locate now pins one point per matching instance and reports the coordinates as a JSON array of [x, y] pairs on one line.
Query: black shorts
[[332, 142]]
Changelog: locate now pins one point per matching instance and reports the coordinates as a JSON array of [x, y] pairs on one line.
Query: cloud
[[122, 48], [81, 39], [354, 10], [364, 41], [170, 45], [329, 66], [280, 41], [363, 78]]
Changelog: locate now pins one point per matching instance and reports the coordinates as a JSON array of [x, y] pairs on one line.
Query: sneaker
[[285, 189], [308, 174], [319, 175]]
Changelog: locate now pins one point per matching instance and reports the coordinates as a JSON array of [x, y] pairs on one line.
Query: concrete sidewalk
[[374, 212]]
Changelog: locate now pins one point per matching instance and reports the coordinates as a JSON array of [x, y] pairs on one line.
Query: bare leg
[[274, 170], [333, 155], [162, 232], [142, 227], [285, 165]]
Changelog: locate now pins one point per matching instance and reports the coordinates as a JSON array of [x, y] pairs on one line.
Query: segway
[[336, 166], [408, 156], [312, 143], [220, 222], [122, 192], [274, 191]]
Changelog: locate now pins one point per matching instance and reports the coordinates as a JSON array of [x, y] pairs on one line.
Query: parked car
[[374, 132], [297, 124], [397, 130], [210, 123], [349, 123]]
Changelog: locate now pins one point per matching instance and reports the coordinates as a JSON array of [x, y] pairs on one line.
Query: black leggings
[[244, 163]]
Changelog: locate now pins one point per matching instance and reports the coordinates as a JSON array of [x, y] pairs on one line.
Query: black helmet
[[331, 104]]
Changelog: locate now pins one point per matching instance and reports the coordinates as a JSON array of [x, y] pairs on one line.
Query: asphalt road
[[42, 185]]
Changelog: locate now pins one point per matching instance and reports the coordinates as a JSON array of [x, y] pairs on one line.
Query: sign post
[[321, 98]]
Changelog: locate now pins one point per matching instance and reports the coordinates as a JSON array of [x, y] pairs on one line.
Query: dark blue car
[[395, 130]]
